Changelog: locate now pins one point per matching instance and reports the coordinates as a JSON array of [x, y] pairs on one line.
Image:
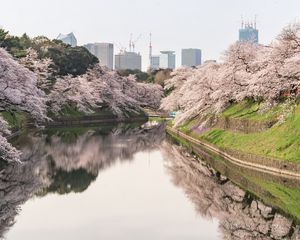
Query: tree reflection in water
[[69, 160], [64, 161], [214, 196]]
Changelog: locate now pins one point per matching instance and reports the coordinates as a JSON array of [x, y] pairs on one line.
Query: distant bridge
[[154, 113]]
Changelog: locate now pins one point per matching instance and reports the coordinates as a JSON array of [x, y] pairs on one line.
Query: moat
[[136, 182]]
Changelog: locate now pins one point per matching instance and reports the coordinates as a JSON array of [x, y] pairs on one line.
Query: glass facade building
[[68, 39], [191, 57]]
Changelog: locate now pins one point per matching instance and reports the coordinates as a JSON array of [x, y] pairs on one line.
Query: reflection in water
[[214, 196], [65, 161]]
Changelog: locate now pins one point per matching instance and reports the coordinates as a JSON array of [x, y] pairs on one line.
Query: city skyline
[[173, 24]]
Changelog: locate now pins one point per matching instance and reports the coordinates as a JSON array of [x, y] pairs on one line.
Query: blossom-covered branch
[[248, 71], [104, 88]]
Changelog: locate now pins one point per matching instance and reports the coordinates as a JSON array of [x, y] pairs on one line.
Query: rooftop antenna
[[130, 43], [255, 21], [150, 52], [242, 21]]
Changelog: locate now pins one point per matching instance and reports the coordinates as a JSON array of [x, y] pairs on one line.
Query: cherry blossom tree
[[248, 71], [101, 87], [41, 67], [7, 152], [18, 92]]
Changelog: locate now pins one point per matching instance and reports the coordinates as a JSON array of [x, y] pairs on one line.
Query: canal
[[134, 182]]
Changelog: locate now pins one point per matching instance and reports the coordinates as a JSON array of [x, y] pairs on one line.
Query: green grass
[[157, 119], [250, 110], [281, 141], [186, 127], [178, 140], [280, 196], [14, 119], [170, 123], [67, 111], [72, 111]]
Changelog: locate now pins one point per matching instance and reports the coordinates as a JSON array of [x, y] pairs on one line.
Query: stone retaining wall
[[279, 164], [260, 163], [239, 125]]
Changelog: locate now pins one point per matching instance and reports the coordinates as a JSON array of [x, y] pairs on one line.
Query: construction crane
[[121, 48], [132, 43]]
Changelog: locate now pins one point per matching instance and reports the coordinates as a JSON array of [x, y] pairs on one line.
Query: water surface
[[108, 185], [130, 182]]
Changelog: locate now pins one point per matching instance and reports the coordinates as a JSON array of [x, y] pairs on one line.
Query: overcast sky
[[207, 24]]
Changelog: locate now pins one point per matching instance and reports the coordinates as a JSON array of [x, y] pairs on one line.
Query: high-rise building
[[191, 57], [68, 39], [155, 62], [167, 60], [104, 52], [248, 33], [128, 60]]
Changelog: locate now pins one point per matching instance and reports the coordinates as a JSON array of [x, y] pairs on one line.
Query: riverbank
[[244, 129], [19, 122], [92, 120], [280, 191], [259, 163]]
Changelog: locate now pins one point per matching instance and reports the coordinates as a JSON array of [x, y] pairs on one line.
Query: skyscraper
[[167, 60], [104, 52], [68, 39], [248, 33], [191, 57], [128, 60], [155, 62]]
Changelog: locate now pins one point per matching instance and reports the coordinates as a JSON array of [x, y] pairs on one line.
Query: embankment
[[263, 164]]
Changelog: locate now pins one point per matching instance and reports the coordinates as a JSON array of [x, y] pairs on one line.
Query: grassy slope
[[249, 110], [281, 141], [283, 197], [71, 111], [14, 119]]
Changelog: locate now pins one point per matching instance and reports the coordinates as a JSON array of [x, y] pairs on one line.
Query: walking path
[[259, 167]]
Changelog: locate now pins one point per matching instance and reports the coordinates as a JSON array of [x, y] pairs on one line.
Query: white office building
[[104, 52], [191, 57], [167, 60], [128, 60], [68, 39]]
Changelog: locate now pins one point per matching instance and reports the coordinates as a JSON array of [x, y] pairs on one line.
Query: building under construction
[[248, 32]]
